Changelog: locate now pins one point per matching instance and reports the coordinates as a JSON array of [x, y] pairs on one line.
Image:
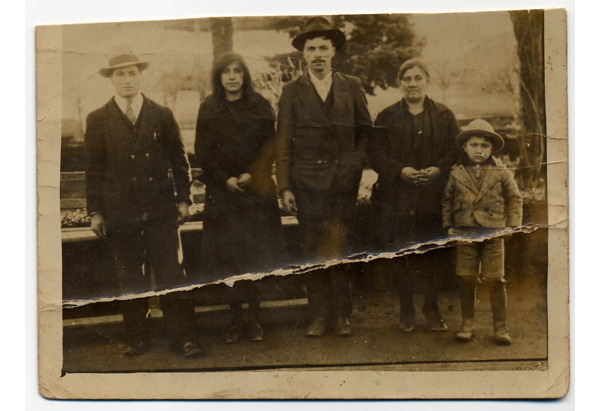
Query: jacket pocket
[[497, 207]]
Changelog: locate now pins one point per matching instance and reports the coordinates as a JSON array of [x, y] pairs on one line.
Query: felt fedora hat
[[123, 60], [319, 27], [480, 128]]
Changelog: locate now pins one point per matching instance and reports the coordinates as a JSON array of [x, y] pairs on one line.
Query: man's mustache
[[318, 61]]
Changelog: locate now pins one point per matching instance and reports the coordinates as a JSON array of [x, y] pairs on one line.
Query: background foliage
[[376, 46]]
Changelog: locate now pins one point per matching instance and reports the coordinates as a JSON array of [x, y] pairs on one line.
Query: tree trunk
[[528, 27], [222, 35]]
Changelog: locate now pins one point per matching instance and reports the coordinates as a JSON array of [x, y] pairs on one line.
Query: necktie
[[129, 112]]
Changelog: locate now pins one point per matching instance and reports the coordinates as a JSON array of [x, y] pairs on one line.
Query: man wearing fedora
[[130, 144], [322, 123]]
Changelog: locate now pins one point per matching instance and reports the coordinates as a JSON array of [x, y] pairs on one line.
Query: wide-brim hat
[[123, 60], [319, 26], [480, 128]]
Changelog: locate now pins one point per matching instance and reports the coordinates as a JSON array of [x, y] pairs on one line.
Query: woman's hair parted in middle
[[408, 64], [220, 64]]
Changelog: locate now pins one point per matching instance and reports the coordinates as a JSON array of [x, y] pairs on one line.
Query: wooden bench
[[72, 189]]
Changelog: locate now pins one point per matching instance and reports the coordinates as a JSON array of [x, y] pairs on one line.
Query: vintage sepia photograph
[[258, 206]]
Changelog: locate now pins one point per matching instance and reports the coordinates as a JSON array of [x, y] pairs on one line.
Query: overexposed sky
[[453, 36], [88, 47]]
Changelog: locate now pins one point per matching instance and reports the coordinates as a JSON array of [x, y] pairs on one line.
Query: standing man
[[323, 120], [130, 144]]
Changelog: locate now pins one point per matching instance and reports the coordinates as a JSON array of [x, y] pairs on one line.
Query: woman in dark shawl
[[412, 149], [242, 225]]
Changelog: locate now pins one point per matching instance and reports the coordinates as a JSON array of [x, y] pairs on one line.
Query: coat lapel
[[145, 123], [309, 98], [491, 177], [463, 177], [119, 125], [340, 99]]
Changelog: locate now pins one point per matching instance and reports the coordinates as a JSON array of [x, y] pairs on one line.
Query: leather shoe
[[256, 332], [191, 349], [503, 338], [466, 331], [234, 333], [437, 325], [406, 327], [343, 327], [137, 348], [407, 323], [316, 328], [501, 335]]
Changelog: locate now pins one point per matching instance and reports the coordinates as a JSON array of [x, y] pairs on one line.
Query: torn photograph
[[283, 207]]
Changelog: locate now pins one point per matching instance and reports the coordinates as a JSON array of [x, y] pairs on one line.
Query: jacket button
[[133, 156], [150, 179], [336, 161], [147, 155], [134, 179], [319, 161], [412, 212]]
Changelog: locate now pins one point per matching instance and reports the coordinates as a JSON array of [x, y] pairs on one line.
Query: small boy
[[481, 199]]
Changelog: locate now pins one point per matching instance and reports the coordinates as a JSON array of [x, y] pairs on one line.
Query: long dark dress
[[406, 214], [242, 231]]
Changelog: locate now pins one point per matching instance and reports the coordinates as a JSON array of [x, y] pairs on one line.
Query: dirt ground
[[377, 342]]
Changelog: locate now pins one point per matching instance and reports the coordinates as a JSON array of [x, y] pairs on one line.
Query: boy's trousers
[[489, 253], [484, 259]]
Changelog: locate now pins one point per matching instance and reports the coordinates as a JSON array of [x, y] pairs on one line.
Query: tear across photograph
[[343, 206]]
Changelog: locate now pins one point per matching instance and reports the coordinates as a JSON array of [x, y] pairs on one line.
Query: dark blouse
[[242, 230], [401, 139], [235, 138]]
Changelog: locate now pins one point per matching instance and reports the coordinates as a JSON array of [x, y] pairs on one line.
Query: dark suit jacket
[[319, 152], [126, 171]]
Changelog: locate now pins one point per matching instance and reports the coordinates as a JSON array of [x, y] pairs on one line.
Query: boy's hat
[[321, 27], [480, 128], [123, 60]]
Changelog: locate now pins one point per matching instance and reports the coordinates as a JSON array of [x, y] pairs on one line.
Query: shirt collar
[[326, 81], [136, 104]]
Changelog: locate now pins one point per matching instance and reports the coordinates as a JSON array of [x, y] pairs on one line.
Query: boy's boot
[[467, 290], [406, 287], [236, 328], [255, 331], [407, 323], [498, 302]]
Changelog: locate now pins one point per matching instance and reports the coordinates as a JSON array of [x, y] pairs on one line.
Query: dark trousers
[[417, 272], [484, 260], [326, 221], [329, 292], [137, 248], [244, 291]]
